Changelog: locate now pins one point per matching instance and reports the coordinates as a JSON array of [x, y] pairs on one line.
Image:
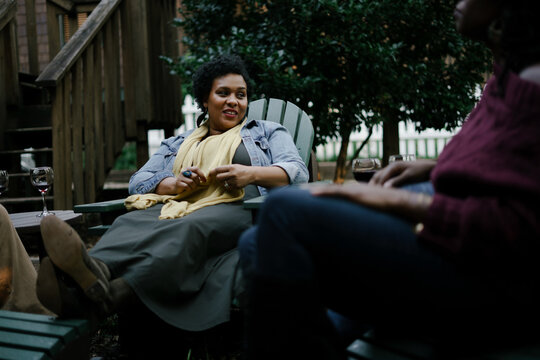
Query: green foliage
[[128, 158], [346, 62]]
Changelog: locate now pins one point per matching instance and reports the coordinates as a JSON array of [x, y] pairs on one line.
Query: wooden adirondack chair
[[288, 114]]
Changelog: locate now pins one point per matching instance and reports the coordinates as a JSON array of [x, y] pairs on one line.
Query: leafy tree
[[347, 62]]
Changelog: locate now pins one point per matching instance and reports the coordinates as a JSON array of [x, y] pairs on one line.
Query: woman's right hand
[[181, 183], [402, 172]]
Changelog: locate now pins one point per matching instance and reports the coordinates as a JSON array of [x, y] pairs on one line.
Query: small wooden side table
[[27, 226]]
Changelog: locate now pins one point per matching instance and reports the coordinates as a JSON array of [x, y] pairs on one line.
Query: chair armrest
[[254, 203], [100, 207]]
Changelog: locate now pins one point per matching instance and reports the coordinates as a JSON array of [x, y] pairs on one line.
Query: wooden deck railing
[[102, 84], [9, 94]]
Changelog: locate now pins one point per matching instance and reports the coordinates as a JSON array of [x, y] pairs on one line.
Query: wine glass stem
[[44, 203]]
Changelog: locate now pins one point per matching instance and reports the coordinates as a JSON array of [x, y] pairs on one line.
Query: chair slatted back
[[294, 119]]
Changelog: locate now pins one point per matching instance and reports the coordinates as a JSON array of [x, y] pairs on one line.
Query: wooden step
[[28, 137], [26, 151], [31, 116], [29, 130], [31, 93]]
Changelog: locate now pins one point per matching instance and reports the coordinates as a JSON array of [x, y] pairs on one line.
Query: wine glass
[[4, 181], [42, 178], [401, 157], [363, 169]]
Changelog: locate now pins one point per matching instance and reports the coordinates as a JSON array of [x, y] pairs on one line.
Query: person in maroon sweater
[[450, 246]]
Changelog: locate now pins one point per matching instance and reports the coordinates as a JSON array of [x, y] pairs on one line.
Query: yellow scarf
[[214, 151]]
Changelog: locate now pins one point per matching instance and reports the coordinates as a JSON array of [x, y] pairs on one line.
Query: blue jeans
[[311, 253]]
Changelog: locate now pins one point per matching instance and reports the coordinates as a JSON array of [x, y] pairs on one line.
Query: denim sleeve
[[159, 167], [285, 155]]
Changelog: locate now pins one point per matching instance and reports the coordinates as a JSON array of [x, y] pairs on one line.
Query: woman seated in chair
[[176, 253], [459, 258]]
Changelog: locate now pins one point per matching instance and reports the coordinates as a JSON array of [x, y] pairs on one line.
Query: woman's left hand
[[412, 206], [233, 176]]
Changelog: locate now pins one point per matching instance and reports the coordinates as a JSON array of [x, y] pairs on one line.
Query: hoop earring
[[201, 117]]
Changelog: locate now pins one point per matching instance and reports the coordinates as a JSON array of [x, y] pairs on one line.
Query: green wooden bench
[[288, 114], [30, 336]]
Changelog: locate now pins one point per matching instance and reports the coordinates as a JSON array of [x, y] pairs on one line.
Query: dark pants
[[311, 253]]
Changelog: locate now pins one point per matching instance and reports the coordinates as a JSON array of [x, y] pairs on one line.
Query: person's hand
[[234, 176], [188, 179], [403, 172], [409, 205], [372, 196]]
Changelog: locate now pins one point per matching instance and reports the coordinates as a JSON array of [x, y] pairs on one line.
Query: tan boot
[[68, 252], [65, 300]]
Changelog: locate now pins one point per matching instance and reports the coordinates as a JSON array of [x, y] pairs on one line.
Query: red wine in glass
[[43, 188], [42, 178], [364, 169], [363, 176]]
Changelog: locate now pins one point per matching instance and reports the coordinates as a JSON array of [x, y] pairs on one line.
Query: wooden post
[[12, 76], [53, 29], [89, 131], [98, 111], [142, 143], [3, 73], [76, 134], [136, 37], [119, 126], [31, 35], [109, 94], [129, 73], [66, 149], [57, 142]]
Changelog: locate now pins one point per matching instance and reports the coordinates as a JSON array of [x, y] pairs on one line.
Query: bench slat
[[65, 333], [7, 353], [50, 345], [80, 325]]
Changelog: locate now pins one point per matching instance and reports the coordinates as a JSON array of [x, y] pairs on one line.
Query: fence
[[426, 144]]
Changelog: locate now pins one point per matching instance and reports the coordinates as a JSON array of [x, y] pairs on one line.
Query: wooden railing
[[103, 86], [9, 83]]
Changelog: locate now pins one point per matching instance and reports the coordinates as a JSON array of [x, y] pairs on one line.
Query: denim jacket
[[267, 143]]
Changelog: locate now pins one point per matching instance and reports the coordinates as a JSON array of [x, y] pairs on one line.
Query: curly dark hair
[[205, 75], [520, 36]]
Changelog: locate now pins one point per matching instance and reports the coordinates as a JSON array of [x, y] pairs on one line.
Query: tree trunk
[[390, 140], [341, 170]]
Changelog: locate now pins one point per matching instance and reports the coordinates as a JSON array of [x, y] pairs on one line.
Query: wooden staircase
[[104, 87], [27, 143], [25, 123]]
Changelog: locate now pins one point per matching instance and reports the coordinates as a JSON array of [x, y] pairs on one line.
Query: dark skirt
[[181, 269]]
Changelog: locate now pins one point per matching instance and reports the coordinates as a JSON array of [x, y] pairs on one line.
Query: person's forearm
[[167, 186], [269, 176], [411, 206]]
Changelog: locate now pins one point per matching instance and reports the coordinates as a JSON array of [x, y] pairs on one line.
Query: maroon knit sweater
[[487, 179]]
